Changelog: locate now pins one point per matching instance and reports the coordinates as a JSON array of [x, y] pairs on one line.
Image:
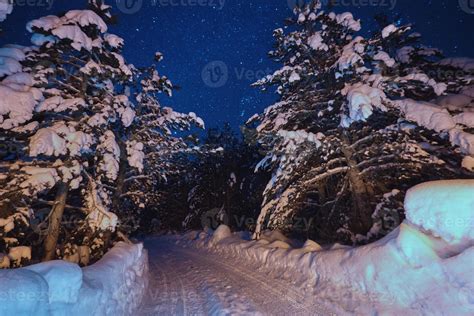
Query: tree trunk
[[55, 222], [361, 191], [321, 187], [120, 187]]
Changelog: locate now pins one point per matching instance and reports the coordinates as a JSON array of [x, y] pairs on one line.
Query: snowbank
[[221, 233], [64, 280], [23, 292], [411, 271], [115, 285], [445, 209]]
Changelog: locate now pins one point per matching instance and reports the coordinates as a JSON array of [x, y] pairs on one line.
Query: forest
[[91, 158]]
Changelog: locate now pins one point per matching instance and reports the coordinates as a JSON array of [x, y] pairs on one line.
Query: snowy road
[[188, 281]]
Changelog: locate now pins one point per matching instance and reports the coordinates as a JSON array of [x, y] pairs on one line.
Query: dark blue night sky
[[239, 34]]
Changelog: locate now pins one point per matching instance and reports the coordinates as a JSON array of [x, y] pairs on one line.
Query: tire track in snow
[[155, 300], [261, 284], [188, 291], [199, 282], [167, 293]]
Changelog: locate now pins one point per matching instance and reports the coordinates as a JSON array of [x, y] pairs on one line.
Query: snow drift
[[424, 267], [115, 285]]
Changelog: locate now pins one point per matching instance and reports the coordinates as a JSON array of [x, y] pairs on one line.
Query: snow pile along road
[[425, 267], [115, 285]]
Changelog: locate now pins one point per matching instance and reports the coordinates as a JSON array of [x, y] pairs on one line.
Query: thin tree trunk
[[361, 191], [55, 222], [321, 187], [120, 187]]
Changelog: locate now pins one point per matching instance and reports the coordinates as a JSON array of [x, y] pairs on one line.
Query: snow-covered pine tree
[[359, 121], [151, 145], [71, 110], [6, 7]]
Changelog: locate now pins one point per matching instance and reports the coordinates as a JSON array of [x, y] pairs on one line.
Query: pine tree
[[81, 123], [353, 128]]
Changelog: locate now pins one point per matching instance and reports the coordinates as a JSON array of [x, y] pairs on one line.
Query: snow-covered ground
[[425, 267], [115, 285], [190, 281]]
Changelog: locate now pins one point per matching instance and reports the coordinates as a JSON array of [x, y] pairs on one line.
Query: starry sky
[[215, 49]]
